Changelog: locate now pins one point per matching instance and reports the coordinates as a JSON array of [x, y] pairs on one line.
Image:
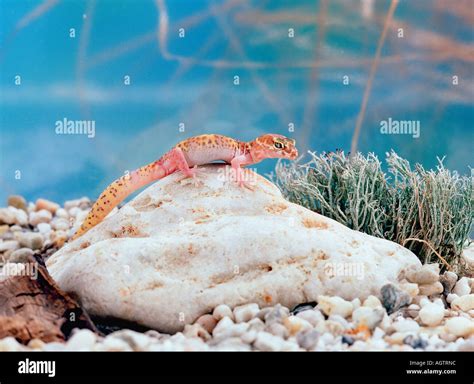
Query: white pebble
[[312, 316], [460, 326], [431, 314], [372, 302], [462, 287], [406, 325], [267, 342], [334, 306], [463, 303], [451, 297], [222, 311], [244, 313], [42, 216], [83, 339], [44, 228], [60, 224], [370, 317], [62, 213]]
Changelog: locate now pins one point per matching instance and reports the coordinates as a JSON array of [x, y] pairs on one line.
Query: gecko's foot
[[192, 175], [240, 179]]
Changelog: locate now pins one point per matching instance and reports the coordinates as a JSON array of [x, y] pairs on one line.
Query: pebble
[[112, 343], [32, 240], [427, 274], [60, 224], [415, 342], [21, 255], [460, 326], [81, 340], [62, 213], [47, 205], [296, 324], [136, 340], [268, 342], [12, 215], [276, 314], [277, 329], [463, 303], [450, 298], [462, 287], [334, 306], [42, 216], [313, 317], [393, 298], [356, 303], [44, 228], [208, 322], [431, 289], [448, 279], [227, 328], [9, 245], [308, 339], [82, 203], [372, 302], [222, 311], [244, 313], [431, 314], [10, 344], [406, 325], [17, 201], [196, 330], [367, 316]]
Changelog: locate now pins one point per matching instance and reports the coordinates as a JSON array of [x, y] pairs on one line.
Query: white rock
[[244, 313], [42, 216], [10, 344], [372, 302], [295, 324], [313, 316], [462, 287], [451, 297], [427, 274], [227, 328], [356, 303], [175, 267], [222, 311], [44, 228], [431, 314], [9, 245], [60, 224], [460, 326], [267, 342], [62, 213], [370, 317], [406, 325], [12, 215], [463, 303], [81, 340], [334, 305]]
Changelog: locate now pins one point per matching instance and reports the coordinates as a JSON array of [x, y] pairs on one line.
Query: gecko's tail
[[116, 192]]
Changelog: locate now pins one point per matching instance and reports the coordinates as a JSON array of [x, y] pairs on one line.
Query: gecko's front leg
[[236, 164]]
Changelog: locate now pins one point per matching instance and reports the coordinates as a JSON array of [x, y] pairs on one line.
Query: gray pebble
[[394, 298], [20, 255]]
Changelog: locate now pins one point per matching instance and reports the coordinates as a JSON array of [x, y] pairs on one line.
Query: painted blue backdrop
[[139, 69]]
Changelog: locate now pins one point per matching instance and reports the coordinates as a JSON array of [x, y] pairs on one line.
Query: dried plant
[[428, 211]]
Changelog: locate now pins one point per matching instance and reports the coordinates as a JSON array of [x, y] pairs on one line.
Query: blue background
[[282, 80]]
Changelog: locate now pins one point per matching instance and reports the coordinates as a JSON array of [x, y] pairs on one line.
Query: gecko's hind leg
[[182, 165]]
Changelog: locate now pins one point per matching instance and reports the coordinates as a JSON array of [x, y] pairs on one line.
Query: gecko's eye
[[278, 145]]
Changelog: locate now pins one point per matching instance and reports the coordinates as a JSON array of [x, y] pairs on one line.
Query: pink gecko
[[185, 157]]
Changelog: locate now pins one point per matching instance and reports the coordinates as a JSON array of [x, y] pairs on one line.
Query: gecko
[[185, 157]]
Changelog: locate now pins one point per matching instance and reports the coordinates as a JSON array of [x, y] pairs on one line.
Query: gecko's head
[[274, 146]]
